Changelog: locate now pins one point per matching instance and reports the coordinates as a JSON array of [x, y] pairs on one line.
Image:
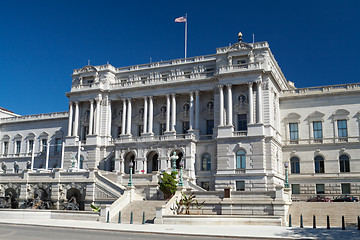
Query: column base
[[170, 133], [147, 134], [71, 141], [196, 132], [225, 131], [255, 129]]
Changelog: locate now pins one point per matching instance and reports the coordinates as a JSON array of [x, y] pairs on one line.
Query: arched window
[[206, 162], [240, 159], [319, 164], [344, 163], [295, 165]]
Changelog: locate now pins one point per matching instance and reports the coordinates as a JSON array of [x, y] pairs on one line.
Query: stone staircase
[[138, 207], [335, 210]]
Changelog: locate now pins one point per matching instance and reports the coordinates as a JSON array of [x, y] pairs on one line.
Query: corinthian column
[[167, 112], [128, 129], [221, 106], [191, 111], [70, 119], [123, 121], [197, 110], [151, 114], [251, 103], [76, 122], [91, 117], [259, 102], [145, 115], [173, 116], [230, 106]]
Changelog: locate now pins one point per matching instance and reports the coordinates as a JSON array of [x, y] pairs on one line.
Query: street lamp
[[181, 183], [130, 183], [173, 158], [286, 185]]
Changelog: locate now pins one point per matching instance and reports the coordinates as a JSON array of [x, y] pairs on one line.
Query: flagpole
[[185, 34]]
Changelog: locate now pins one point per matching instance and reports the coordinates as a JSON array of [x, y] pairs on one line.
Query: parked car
[[345, 198], [319, 199]]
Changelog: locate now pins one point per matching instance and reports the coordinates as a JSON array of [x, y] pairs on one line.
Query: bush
[[168, 184]]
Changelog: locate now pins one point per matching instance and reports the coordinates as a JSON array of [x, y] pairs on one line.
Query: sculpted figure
[[16, 167]]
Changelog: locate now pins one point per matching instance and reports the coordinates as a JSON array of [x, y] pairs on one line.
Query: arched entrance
[[129, 157], [74, 195], [152, 162], [11, 193], [180, 157]]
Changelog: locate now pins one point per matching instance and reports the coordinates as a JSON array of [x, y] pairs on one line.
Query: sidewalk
[[236, 231]]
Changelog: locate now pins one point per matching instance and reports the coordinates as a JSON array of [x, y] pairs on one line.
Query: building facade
[[232, 119]]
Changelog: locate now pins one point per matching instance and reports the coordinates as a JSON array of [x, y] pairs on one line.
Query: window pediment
[[316, 116], [292, 117], [341, 113]]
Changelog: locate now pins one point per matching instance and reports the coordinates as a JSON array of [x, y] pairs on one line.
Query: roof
[[6, 110]]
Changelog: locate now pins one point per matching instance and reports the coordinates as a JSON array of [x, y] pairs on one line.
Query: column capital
[[197, 92], [71, 104], [76, 102], [250, 84], [228, 85], [173, 94], [145, 97], [167, 95], [151, 97], [129, 99], [258, 81], [220, 86], [191, 93], [91, 100]]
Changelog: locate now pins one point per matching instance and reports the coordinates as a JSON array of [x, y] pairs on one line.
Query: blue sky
[[41, 42]]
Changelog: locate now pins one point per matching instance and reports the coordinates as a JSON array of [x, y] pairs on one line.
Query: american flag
[[180, 19]]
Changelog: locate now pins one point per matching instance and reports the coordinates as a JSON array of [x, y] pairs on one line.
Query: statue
[[3, 167], [73, 162], [28, 165], [16, 167]]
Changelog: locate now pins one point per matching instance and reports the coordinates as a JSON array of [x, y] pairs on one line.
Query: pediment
[[294, 116], [240, 46], [88, 68], [341, 112], [317, 114]]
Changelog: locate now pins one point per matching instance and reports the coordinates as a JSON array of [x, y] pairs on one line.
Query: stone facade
[[226, 116]]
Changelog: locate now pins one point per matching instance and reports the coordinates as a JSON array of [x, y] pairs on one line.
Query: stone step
[[138, 207]]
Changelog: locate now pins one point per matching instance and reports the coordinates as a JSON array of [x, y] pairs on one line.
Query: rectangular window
[[119, 131], [6, 148], [319, 164], [295, 165], [31, 146], [186, 126], [164, 77], [345, 188], [85, 132], [162, 128], [140, 129], [294, 133], [240, 185], [240, 160], [320, 189], [317, 128], [187, 74], [57, 145], [342, 128], [242, 122], [205, 185], [295, 188], [43, 145], [18, 147], [209, 127]]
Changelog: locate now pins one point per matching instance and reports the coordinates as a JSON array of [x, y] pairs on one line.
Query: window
[[205, 185], [317, 128], [186, 127], [31, 146], [44, 145], [85, 132], [119, 130], [344, 163], [6, 148], [240, 185], [345, 188], [320, 189], [57, 145], [242, 122], [18, 147], [206, 162], [294, 134], [162, 128], [240, 159], [164, 77], [187, 74], [209, 127], [295, 165], [295, 188], [342, 128], [319, 164], [140, 129]]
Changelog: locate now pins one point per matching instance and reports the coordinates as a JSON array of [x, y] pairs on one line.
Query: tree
[[168, 184]]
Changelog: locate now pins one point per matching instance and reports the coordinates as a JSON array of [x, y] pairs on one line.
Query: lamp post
[[130, 183], [181, 183], [173, 158], [286, 185]]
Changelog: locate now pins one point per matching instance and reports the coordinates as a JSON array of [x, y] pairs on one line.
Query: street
[[21, 232]]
